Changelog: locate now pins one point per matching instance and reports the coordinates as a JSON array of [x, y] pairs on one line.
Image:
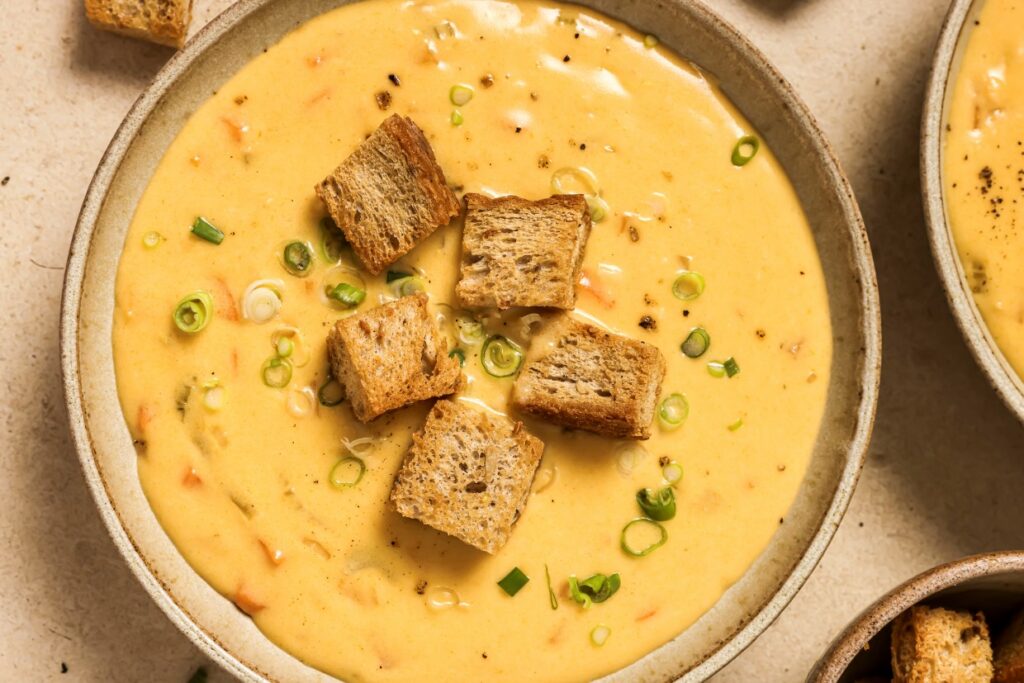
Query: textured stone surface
[[942, 481]]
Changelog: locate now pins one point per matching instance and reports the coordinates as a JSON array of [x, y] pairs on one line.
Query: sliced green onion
[[284, 347], [331, 393], [501, 357], [716, 369], [576, 594], [262, 300], [193, 312], [349, 296], [408, 285], [581, 178], [673, 412], [297, 258], [214, 397], [152, 240], [460, 94], [600, 587], [598, 208], [745, 150], [277, 372], [659, 505], [347, 472], [457, 118], [688, 285], [551, 591], [514, 581], [696, 343], [599, 635], [732, 368], [460, 355], [638, 538], [736, 425], [332, 241], [471, 331], [290, 343], [673, 472], [396, 275], [650, 41], [204, 229]]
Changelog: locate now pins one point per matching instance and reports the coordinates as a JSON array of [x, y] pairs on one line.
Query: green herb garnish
[[551, 591], [696, 343], [458, 354], [658, 505], [673, 412], [193, 312], [514, 581], [501, 357], [276, 372], [347, 295], [641, 547], [688, 285], [297, 258], [597, 588], [347, 472], [204, 229], [745, 150], [732, 368], [331, 393]]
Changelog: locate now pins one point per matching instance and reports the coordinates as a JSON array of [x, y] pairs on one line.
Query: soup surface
[[984, 171], [238, 472]]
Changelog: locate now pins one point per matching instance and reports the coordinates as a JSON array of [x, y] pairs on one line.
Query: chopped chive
[[745, 150], [396, 275], [732, 368], [204, 229], [457, 118], [597, 588], [599, 635], [736, 425], [576, 594], [460, 94], [152, 240], [276, 372], [458, 354], [331, 393], [673, 472], [297, 258], [650, 41], [641, 547], [349, 296], [696, 343], [347, 472], [658, 505], [514, 581], [716, 369], [673, 412], [688, 285], [501, 357], [193, 312], [551, 591]]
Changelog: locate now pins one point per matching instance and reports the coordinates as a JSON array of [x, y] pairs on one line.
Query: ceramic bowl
[[952, 42], [220, 50], [992, 583]]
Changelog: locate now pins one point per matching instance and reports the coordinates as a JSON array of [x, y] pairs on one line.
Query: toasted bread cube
[[578, 375], [936, 645], [389, 194], [516, 252], [391, 356], [158, 21], [468, 474], [1009, 652]]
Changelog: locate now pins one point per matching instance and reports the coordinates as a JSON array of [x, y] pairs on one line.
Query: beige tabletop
[[946, 471]]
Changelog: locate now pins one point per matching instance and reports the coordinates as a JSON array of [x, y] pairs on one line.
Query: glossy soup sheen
[[984, 171], [334, 576]]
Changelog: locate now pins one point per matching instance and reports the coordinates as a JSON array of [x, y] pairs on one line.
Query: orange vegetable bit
[[236, 129], [246, 601], [191, 479], [590, 284], [274, 555]]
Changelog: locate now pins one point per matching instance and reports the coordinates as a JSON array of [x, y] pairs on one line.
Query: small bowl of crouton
[[962, 621]]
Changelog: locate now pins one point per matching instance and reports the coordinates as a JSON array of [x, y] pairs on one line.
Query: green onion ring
[[331, 393], [337, 478], [193, 312], [745, 150], [716, 369], [672, 412], [276, 372], [297, 258], [501, 357], [643, 552], [688, 285], [673, 473], [599, 635], [696, 343], [460, 94], [152, 240], [658, 505], [457, 118], [471, 331]]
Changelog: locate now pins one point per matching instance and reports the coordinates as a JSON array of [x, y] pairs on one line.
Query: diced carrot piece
[[225, 301], [236, 129], [143, 418], [275, 556], [191, 479]]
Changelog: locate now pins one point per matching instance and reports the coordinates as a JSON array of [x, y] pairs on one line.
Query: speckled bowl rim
[[855, 427], [945, 68], [871, 621]]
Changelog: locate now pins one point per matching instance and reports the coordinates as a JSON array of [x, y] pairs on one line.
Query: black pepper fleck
[[383, 100], [565, 58], [6, 180], [648, 323], [395, 79]]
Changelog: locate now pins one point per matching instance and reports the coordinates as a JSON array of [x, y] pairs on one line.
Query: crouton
[[389, 194], [1009, 652], [158, 21], [578, 375], [517, 252], [468, 474], [391, 356], [935, 645]]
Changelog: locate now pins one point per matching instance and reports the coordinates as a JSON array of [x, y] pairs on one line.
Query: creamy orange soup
[[984, 171], [239, 472]]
